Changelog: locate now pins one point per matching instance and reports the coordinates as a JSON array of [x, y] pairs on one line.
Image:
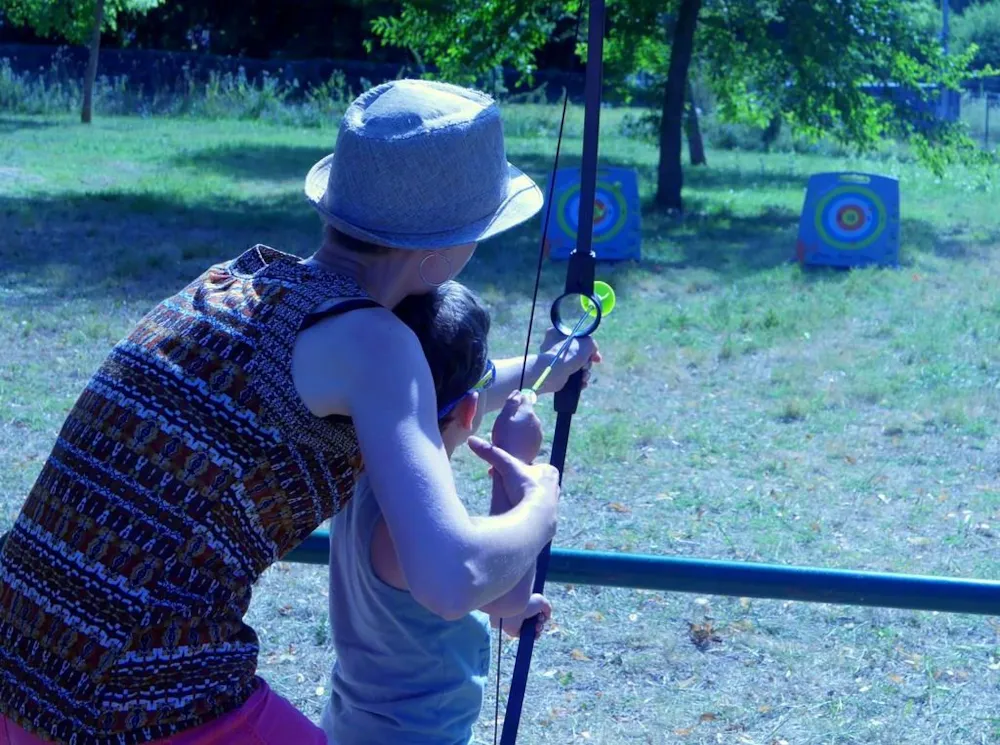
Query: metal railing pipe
[[746, 579]]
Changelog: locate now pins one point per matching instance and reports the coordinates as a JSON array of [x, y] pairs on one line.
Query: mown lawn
[[747, 410]]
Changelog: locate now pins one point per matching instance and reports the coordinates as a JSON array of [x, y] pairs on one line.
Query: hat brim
[[523, 201]]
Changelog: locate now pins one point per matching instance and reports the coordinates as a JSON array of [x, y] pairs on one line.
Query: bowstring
[[548, 207], [531, 320]]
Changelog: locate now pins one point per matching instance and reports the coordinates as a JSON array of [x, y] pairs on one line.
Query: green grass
[[747, 410]]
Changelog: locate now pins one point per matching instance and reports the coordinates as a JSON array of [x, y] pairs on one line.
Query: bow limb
[[579, 280]]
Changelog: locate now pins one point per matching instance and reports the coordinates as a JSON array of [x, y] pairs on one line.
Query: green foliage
[[468, 39], [816, 65], [71, 19], [926, 18], [637, 52], [979, 26]]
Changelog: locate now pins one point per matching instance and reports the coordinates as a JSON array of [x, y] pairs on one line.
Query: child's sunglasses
[[489, 377]]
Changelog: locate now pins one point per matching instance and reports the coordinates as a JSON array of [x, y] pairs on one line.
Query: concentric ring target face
[[610, 211], [850, 217]]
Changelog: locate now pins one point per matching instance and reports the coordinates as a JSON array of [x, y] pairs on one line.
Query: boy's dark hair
[[452, 325]]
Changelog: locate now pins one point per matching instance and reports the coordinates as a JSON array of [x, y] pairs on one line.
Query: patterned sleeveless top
[[186, 468]]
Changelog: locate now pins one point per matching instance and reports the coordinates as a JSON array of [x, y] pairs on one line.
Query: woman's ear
[[465, 411]]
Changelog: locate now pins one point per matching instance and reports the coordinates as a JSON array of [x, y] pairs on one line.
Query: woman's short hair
[[452, 325], [352, 244]]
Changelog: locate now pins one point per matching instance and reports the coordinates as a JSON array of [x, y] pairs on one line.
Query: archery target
[[610, 211], [850, 218], [616, 227]]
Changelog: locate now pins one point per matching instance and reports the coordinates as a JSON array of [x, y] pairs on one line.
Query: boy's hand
[[581, 354], [538, 606], [517, 429]]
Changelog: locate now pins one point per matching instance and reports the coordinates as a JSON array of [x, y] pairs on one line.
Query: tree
[[670, 174], [696, 148], [91, 76], [822, 67], [79, 22], [980, 25]]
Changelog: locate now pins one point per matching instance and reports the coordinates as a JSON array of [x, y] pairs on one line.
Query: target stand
[[849, 220], [616, 215]]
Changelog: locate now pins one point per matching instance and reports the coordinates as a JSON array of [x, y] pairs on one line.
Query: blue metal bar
[[745, 579]]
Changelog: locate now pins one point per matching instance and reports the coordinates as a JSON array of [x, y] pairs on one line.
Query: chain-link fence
[[981, 112]]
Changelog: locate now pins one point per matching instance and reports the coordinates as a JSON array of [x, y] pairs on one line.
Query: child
[[404, 675]]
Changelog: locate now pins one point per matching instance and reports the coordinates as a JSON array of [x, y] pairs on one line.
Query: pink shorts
[[265, 719]]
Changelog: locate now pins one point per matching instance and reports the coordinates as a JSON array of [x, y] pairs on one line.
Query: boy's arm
[[581, 353], [508, 379]]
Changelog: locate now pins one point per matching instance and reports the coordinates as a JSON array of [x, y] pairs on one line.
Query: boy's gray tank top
[[403, 675]]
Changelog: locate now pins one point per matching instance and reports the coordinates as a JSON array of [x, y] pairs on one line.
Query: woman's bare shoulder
[[344, 357]]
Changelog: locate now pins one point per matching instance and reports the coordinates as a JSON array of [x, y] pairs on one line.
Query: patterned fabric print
[[187, 467]]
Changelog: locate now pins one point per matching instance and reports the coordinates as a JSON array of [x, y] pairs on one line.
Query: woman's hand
[[517, 428], [538, 483], [580, 355]]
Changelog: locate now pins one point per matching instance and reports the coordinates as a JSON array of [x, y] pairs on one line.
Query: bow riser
[[579, 280]]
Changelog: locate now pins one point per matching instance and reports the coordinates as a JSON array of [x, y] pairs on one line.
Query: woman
[[235, 418]]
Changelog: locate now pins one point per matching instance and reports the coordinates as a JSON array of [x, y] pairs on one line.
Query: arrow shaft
[[562, 350]]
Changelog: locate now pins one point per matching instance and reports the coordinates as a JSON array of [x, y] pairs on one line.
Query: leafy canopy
[[71, 19], [979, 26], [814, 63]]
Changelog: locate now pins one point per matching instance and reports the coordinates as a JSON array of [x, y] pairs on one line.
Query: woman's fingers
[[502, 462], [514, 473]]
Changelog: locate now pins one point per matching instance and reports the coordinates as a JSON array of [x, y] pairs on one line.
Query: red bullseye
[[850, 218], [600, 208]]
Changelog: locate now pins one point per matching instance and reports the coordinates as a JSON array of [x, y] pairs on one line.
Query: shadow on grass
[[265, 162], [921, 237], [135, 246], [11, 124], [732, 246], [718, 240], [279, 162], [711, 178], [738, 179], [145, 247]]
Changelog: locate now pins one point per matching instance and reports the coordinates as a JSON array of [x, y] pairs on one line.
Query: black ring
[[586, 330]]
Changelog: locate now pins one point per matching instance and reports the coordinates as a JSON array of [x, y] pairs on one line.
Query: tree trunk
[[696, 148], [95, 49], [772, 132], [669, 174]]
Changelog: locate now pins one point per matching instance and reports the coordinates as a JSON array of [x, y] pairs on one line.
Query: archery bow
[[579, 281]]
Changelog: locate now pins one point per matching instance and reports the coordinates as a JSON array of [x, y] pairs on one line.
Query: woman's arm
[[385, 564], [369, 365], [514, 602], [518, 430]]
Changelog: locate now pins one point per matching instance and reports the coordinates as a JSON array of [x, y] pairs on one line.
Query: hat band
[[369, 227]]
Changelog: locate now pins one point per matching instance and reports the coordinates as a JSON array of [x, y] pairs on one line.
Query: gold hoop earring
[[443, 258]]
